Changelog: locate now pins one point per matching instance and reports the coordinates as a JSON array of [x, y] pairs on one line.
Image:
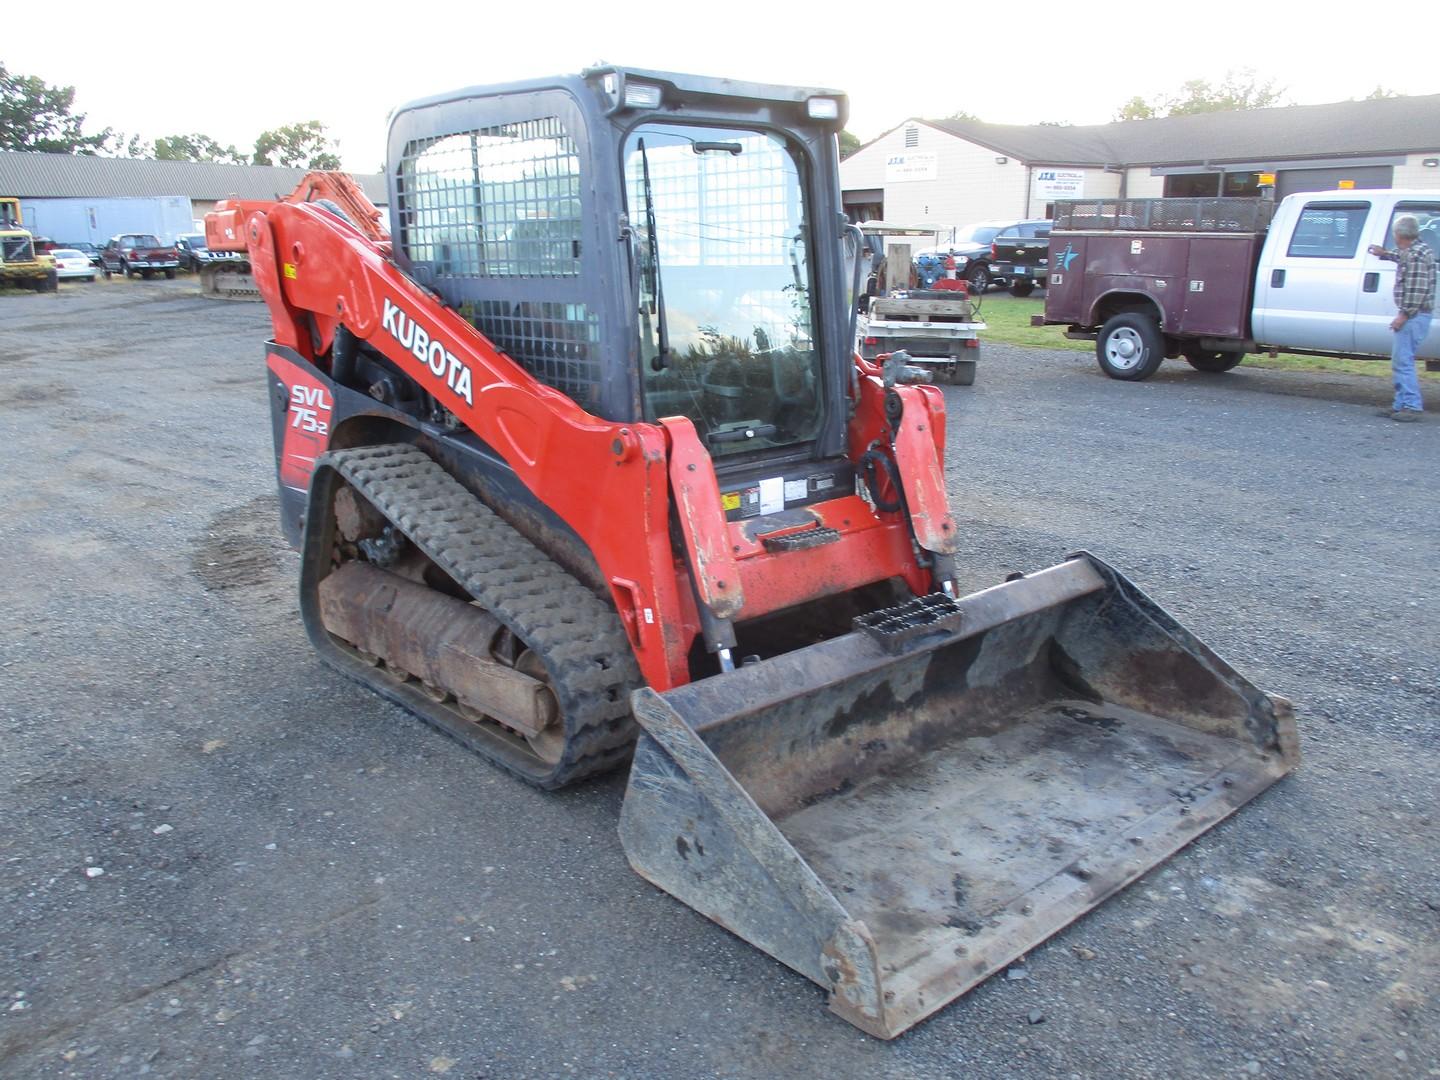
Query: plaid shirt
[[1414, 278]]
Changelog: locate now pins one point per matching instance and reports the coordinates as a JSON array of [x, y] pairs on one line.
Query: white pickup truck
[[1213, 279]]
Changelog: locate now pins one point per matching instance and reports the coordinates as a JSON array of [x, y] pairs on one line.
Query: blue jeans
[[1402, 361]]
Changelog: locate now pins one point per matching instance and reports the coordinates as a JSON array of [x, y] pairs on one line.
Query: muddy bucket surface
[[896, 819]]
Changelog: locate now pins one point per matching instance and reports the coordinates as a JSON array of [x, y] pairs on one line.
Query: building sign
[[911, 165], [1060, 184]]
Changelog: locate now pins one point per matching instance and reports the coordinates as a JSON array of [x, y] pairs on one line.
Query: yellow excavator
[[20, 265]]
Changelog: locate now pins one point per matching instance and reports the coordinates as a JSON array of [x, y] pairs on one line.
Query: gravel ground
[[222, 859]]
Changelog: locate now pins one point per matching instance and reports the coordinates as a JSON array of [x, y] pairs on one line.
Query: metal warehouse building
[[70, 197], [953, 172]]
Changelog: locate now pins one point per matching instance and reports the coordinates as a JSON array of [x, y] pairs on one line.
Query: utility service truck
[[1214, 279]]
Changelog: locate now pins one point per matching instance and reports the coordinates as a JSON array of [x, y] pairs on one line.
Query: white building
[[952, 172]]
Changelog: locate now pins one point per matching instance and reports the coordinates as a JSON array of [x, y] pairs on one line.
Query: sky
[[232, 71]]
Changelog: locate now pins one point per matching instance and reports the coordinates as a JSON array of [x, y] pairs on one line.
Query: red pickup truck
[[139, 253]]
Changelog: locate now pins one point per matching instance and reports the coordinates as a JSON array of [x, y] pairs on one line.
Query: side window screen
[[1329, 230], [496, 202]]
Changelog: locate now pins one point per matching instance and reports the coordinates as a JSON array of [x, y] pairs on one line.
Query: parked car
[[139, 253], [72, 263], [970, 245], [1022, 256], [1213, 279], [91, 251], [195, 252]]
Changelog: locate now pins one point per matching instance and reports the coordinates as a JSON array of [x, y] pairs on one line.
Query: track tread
[[578, 637]]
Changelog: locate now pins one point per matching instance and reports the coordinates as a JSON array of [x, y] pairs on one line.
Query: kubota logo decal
[[443, 364]]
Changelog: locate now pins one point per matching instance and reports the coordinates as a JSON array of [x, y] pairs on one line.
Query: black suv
[[195, 252]]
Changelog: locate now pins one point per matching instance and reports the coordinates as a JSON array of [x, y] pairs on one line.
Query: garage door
[[1289, 181]]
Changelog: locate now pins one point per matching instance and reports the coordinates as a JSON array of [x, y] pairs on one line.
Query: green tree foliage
[[197, 147], [36, 116], [848, 145], [1240, 89], [1380, 93], [302, 146], [964, 117]]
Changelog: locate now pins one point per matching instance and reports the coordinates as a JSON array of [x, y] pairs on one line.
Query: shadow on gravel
[[1319, 385]]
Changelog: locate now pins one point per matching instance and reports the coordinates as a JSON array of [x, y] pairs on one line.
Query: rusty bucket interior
[[899, 817]]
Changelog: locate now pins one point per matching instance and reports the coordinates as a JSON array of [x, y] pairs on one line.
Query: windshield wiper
[[661, 359]]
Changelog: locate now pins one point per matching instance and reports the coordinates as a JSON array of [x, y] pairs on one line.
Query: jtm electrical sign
[[1060, 183], [911, 165]]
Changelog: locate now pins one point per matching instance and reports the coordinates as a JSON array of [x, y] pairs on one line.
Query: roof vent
[[912, 136]]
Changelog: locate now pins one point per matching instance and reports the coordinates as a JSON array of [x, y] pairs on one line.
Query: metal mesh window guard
[[558, 343], [1167, 215], [500, 201]]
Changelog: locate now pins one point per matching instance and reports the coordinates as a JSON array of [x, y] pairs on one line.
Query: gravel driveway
[[220, 858]]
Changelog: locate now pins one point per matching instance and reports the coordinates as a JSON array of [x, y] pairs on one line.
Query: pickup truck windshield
[[727, 276], [977, 234]]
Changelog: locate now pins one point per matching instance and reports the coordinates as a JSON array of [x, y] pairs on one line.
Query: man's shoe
[[1388, 414], [1407, 416]]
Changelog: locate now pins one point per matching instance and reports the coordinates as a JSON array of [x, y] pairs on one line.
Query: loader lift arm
[[319, 272]]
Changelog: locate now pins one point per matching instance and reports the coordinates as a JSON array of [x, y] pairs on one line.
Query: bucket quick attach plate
[[897, 826]]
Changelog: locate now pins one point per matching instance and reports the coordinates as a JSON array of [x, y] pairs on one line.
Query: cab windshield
[[725, 291]]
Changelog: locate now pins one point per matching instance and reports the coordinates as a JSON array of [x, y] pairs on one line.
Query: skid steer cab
[[585, 470]]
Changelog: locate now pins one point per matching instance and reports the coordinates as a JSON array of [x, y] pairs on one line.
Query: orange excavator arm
[[225, 225]]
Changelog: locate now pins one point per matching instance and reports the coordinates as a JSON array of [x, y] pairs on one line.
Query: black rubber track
[[577, 636]]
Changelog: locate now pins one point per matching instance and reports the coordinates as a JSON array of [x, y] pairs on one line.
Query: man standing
[[1415, 301]]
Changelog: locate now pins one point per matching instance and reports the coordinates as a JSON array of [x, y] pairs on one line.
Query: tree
[[298, 146], [848, 145], [35, 116], [119, 144], [1240, 89], [197, 147], [1380, 93], [1137, 108], [963, 117]]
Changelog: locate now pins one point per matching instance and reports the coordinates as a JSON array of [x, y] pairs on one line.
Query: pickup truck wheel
[[1130, 347], [1022, 288], [978, 277], [169, 275], [1211, 360]]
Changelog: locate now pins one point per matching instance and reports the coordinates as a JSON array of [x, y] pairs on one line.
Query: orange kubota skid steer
[[584, 469]]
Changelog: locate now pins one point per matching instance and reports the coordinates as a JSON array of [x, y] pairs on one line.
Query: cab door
[[1375, 307], [1305, 297]]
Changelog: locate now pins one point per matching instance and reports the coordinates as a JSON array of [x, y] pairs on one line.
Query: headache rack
[[1164, 215]]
